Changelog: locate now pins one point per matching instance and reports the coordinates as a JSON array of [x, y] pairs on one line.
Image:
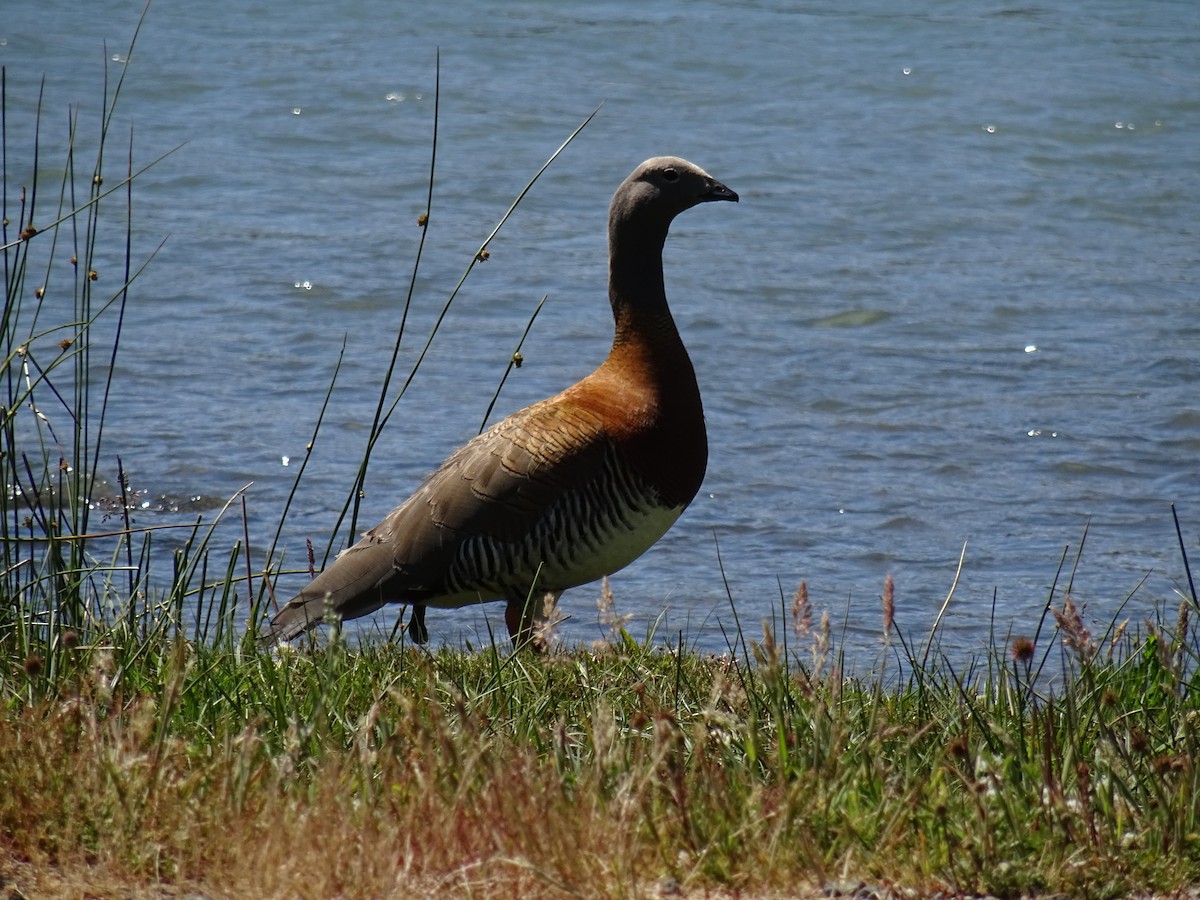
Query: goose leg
[[417, 632], [528, 621]]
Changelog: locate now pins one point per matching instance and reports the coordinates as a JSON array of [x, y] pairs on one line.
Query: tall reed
[[69, 559], [73, 560]]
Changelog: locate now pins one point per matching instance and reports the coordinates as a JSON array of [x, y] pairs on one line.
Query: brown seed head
[[1168, 763], [959, 747], [1138, 741], [801, 611], [1021, 650], [1075, 634]]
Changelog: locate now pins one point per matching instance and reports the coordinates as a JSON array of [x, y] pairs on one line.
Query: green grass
[[145, 739], [602, 770]]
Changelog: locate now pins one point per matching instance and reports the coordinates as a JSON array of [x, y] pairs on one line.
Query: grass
[[604, 771], [147, 746]]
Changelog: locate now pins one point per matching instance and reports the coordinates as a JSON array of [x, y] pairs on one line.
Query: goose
[[565, 491]]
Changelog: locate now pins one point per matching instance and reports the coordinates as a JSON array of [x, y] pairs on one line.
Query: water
[[957, 303]]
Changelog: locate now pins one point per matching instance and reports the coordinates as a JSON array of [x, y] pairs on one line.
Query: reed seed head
[[801, 612], [545, 629], [959, 747], [1075, 634], [1021, 650]]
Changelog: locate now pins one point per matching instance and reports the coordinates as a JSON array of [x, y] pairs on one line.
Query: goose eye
[[670, 175]]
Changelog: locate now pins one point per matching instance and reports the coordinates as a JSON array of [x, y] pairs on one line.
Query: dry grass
[[422, 795]]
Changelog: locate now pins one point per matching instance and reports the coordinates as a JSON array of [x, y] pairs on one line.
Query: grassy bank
[[149, 748], [607, 771]]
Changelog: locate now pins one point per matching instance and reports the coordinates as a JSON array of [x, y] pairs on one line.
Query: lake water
[[958, 303]]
